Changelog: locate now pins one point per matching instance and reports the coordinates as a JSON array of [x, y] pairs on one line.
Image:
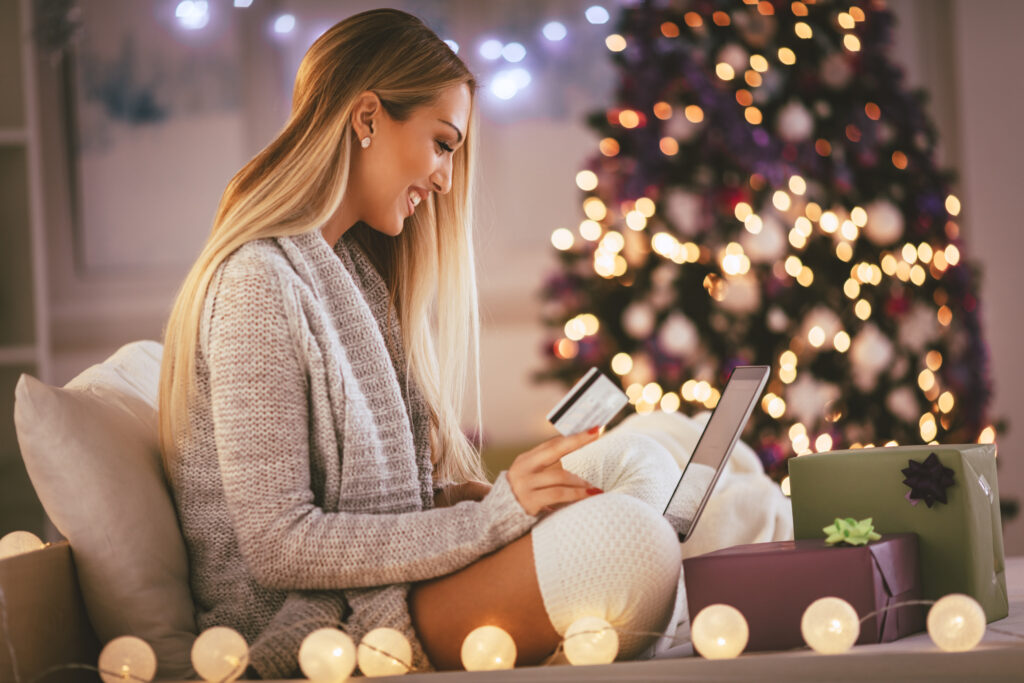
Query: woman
[[311, 391]]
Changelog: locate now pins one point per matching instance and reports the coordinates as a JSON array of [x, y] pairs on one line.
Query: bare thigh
[[499, 589]]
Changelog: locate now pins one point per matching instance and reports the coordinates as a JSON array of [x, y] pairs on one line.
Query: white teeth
[[415, 199]]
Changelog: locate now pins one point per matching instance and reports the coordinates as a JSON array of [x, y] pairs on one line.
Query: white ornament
[[777, 320], [871, 352], [918, 328], [956, 622], [830, 626], [327, 655], [127, 658], [678, 335], [591, 640], [885, 223], [719, 632], [220, 654], [902, 402], [684, 210], [488, 648], [807, 397], [794, 123], [638, 320], [767, 246], [18, 542], [384, 652], [836, 71], [735, 56], [742, 294]]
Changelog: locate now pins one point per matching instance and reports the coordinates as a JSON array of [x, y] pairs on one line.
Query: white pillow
[[91, 452]]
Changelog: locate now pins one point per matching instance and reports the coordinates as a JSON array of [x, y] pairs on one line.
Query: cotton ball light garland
[[591, 640], [220, 654], [956, 622], [719, 632], [384, 652], [830, 626], [18, 542], [327, 655], [127, 657], [488, 648]]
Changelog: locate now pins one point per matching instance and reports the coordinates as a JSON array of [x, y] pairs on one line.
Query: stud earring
[[365, 142]]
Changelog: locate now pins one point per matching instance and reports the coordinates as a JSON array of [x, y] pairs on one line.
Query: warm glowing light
[[793, 265], [566, 349], [670, 402], [829, 222], [956, 622], [742, 210], [899, 160], [595, 209], [946, 402], [776, 407], [945, 316], [830, 626], [953, 205], [926, 380], [586, 180], [787, 375], [802, 30], [848, 230], [591, 640], [668, 146], [841, 342], [845, 20], [384, 652], [787, 56], [988, 435], [615, 42], [719, 632], [806, 277], [645, 206], [636, 220], [928, 427], [721, 18], [562, 239], [753, 224], [851, 42], [327, 655], [753, 115], [862, 309], [786, 486], [797, 185], [857, 13], [488, 648], [823, 443], [609, 147], [629, 118], [669, 30], [590, 230], [844, 251], [220, 654], [693, 113], [127, 658], [952, 255], [652, 392], [693, 20], [758, 63], [781, 200], [18, 542], [816, 336], [663, 110], [622, 363], [752, 78], [724, 71], [613, 242]]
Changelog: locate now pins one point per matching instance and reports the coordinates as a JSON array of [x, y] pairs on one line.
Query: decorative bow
[[928, 481], [851, 531]]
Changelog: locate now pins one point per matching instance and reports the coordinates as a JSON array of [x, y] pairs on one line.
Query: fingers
[[552, 450], [557, 477]]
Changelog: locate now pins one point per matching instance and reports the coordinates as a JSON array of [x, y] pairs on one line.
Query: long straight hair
[[298, 181]]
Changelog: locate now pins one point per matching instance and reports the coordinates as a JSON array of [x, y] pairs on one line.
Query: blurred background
[[122, 121]]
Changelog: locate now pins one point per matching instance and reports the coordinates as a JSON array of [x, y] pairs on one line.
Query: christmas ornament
[[885, 223], [794, 123]]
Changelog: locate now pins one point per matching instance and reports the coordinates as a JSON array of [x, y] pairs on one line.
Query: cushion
[[91, 452]]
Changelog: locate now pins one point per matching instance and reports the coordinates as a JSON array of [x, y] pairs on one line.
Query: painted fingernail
[[594, 491], [594, 430]]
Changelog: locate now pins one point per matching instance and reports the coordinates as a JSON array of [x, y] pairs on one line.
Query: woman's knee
[[611, 556]]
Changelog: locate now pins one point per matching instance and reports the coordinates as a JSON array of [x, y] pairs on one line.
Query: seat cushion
[[91, 451]]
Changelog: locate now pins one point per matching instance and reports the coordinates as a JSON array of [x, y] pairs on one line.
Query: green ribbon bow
[[851, 531]]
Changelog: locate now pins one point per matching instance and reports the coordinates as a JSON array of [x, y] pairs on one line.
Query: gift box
[[948, 495], [773, 583]]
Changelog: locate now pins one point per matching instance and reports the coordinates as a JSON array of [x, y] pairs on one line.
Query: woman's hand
[[456, 493], [538, 480]]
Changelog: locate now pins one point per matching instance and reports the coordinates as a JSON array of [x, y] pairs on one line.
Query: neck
[[337, 225]]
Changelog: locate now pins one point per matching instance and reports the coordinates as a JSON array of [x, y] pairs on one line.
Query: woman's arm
[[453, 494], [261, 428]]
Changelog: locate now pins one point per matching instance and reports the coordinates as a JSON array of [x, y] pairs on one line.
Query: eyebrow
[[453, 126]]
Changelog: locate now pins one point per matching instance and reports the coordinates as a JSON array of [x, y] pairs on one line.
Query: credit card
[[592, 402]]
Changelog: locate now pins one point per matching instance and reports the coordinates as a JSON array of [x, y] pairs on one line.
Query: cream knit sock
[[613, 555]]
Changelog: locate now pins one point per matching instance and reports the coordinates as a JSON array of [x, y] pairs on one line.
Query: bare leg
[[499, 589]]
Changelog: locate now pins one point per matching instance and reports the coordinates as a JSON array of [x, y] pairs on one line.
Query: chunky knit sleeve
[[259, 399]]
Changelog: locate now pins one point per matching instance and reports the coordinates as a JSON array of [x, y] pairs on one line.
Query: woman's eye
[[444, 145]]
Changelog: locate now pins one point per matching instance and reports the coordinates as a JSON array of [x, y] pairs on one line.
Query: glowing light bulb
[[18, 542], [327, 655], [488, 648], [220, 654], [956, 622], [384, 652], [591, 640], [127, 657], [830, 626], [719, 632]]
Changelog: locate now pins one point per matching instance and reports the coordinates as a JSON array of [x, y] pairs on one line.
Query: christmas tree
[[765, 192]]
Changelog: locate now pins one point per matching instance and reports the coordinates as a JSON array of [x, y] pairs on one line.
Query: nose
[[441, 180]]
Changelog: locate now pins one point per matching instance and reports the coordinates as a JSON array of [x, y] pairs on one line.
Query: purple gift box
[[773, 583]]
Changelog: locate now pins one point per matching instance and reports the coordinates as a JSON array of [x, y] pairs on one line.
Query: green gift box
[[960, 540]]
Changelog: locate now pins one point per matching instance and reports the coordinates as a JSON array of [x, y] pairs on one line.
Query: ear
[[365, 112]]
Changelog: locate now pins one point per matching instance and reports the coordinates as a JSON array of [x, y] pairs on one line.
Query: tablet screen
[[716, 443]]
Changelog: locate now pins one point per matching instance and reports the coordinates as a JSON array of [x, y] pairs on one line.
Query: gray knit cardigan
[[304, 490]]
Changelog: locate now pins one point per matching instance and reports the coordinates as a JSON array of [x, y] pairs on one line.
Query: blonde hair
[[298, 181]]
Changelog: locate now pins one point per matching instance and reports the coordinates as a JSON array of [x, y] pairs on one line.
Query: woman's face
[[407, 160]]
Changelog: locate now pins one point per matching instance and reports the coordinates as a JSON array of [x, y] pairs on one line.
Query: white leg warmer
[[614, 555]]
